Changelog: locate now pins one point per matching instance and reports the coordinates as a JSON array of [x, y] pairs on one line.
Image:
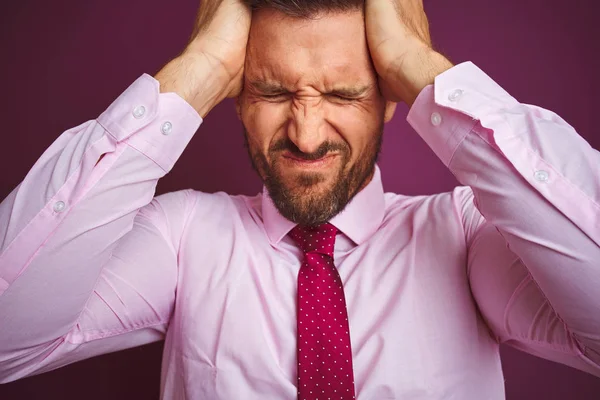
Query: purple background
[[64, 61]]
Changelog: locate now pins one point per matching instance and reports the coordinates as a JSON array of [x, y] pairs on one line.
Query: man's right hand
[[211, 67]]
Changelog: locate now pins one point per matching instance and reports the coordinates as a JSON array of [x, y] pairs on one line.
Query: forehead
[[327, 50]]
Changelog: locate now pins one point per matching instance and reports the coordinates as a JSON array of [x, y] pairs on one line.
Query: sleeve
[[88, 258], [530, 210]]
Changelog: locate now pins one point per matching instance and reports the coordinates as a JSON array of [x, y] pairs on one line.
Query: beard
[[298, 198]]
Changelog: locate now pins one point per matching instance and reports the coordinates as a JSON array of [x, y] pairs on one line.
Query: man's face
[[312, 111]]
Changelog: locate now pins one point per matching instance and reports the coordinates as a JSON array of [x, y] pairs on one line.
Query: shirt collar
[[359, 220]]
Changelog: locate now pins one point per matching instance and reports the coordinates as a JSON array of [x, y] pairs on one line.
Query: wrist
[[415, 69], [195, 78]]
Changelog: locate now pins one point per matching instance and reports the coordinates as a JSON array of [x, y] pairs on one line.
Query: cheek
[[264, 122], [358, 127]]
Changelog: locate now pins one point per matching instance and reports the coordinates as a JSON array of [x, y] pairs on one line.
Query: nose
[[308, 128]]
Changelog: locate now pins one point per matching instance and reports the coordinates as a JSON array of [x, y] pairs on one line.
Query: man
[[321, 286]]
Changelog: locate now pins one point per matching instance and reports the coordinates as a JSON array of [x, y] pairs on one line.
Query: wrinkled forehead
[[292, 50]]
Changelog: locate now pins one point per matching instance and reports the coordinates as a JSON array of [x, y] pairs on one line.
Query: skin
[[312, 94], [312, 111]]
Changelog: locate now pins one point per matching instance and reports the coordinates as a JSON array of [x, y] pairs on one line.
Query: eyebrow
[[271, 88], [267, 87]]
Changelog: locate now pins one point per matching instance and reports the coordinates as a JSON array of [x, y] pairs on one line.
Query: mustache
[[322, 151]]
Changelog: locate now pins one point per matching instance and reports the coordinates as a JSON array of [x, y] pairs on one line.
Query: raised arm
[[88, 259], [531, 216], [532, 210]]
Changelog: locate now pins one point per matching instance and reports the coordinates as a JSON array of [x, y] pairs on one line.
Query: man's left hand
[[400, 46]]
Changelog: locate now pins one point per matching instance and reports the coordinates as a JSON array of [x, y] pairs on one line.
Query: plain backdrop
[[62, 62]]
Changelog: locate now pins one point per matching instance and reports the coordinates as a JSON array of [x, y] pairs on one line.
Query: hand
[[221, 35], [211, 67], [400, 45]]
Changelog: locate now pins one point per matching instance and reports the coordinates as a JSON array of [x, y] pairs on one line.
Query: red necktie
[[324, 351]]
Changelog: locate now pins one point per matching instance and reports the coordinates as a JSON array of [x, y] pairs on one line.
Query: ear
[[390, 108]]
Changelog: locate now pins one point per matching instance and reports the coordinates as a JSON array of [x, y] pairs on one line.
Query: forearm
[[535, 180], [197, 78], [60, 227], [86, 253], [415, 69]]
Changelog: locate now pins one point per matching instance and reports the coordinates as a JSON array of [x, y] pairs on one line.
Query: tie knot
[[315, 239]]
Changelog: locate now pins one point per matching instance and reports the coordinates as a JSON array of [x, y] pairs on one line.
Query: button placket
[[59, 206]]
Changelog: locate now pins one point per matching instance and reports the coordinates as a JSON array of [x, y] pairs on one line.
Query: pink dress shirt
[[91, 262]]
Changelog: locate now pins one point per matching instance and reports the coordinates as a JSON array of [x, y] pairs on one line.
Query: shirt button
[[541, 176], [166, 128], [139, 112], [436, 119], [59, 206], [455, 95]]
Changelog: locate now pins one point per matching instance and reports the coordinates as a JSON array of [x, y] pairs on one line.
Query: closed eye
[[280, 96], [341, 98], [277, 96]]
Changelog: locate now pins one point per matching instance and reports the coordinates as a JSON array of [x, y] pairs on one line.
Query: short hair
[[307, 9]]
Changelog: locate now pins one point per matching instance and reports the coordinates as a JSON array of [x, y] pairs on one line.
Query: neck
[[366, 181]]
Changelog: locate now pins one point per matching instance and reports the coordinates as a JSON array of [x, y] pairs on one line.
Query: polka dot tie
[[324, 352]]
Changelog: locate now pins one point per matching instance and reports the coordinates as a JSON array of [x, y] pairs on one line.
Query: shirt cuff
[[444, 113], [159, 125]]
